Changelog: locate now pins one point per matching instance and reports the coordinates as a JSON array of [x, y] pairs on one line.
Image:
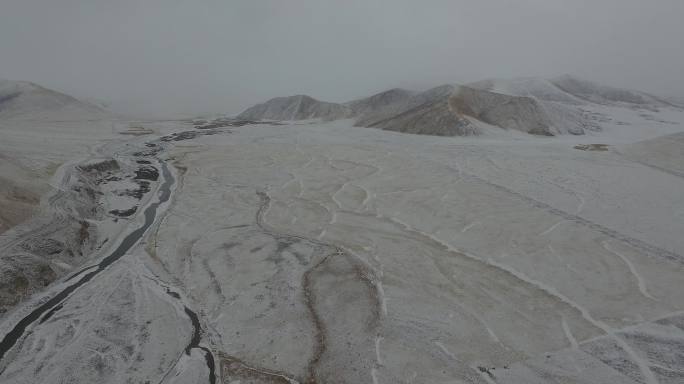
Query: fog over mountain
[[158, 57]]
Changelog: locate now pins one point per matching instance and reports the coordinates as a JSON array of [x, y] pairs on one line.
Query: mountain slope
[[429, 116], [538, 88], [560, 109], [376, 116], [299, 107], [379, 101], [606, 95], [563, 105], [571, 90], [447, 110], [39, 130], [456, 110], [505, 111], [25, 100]]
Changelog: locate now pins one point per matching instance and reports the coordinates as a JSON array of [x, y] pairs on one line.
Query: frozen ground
[[480, 260], [333, 254]]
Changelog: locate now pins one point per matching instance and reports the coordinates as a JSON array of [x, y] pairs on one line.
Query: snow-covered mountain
[[678, 101], [427, 113], [380, 100], [25, 100], [447, 110], [532, 105], [375, 116], [541, 89], [521, 113], [559, 111], [396, 109], [451, 110], [568, 89], [603, 94], [298, 107]]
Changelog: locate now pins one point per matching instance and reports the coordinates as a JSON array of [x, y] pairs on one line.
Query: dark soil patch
[[188, 135], [123, 212], [222, 123], [143, 188], [44, 246], [102, 166], [592, 147], [147, 173]]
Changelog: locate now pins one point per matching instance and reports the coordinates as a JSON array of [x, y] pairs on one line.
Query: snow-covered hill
[[380, 100], [25, 100], [435, 117], [541, 89], [528, 105], [382, 116], [606, 95], [562, 105], [572, 90], [447, 110], [39, 130], [298, 107]]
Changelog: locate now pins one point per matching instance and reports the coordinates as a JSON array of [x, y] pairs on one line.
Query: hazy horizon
[[215, 56]]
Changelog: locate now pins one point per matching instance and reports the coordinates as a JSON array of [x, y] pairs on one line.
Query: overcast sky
[[223, 55]]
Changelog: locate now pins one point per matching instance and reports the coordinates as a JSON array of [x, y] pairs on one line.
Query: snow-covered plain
[[480, 260], [327, 253]]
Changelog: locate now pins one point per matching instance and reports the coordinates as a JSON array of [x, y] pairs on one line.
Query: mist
[[178, 57]]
